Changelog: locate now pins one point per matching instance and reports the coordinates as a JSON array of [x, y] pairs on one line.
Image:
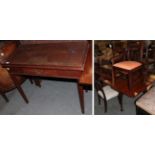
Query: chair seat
[[109, 67], [147, 102], [128, 65], [109, 92]]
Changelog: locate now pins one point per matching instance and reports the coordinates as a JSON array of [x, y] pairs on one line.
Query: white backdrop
[[77, 20]]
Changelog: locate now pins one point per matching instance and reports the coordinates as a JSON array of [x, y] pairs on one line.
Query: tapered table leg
[[19, 88], [37, 82], [81, 97], [31, 81], [5, 97]]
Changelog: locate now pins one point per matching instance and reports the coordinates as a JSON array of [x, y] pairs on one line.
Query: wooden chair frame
[[99, 85]]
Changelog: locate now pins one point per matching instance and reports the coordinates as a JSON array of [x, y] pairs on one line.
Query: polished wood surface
[[67, 55], [86, 77], [71, 60], [62, 60], [128, 80], [131, 78], [6, 82], [30, 42], [122, 86]]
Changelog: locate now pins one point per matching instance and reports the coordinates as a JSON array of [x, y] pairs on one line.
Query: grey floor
[[53, 98], [114, 107]]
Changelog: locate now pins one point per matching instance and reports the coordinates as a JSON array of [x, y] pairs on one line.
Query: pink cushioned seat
[[128, 65]]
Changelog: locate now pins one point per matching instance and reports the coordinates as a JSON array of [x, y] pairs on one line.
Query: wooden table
[[121, 85], [131, 81], [68, 60]]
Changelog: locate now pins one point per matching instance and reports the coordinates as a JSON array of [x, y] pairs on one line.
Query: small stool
[[146, 103], [128, 68]]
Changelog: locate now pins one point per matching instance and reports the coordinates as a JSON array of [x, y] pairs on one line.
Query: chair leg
[[36, 81], [99, 100], [31, 81], [120, 99], [105, 105], [19, 88], [5, 97]]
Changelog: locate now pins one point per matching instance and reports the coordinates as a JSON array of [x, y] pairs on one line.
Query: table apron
[[57, 73]]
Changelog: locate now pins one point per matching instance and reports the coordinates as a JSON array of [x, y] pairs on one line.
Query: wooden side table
[[131, 71]]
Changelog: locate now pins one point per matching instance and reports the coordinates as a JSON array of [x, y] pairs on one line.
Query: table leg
[[31, 81], [19, 88], [81, 97], [37, 82], [5, 97]]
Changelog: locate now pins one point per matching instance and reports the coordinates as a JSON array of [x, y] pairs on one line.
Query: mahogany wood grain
[[69, 60], [68, 56], [6, 83], [86, 77], [81, 97], [18, 86]]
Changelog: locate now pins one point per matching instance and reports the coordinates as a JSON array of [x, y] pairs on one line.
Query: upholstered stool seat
[[132, 71], [147, 102], [128, 65]]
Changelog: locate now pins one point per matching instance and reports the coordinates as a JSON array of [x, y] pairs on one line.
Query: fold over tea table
[[68, 60]]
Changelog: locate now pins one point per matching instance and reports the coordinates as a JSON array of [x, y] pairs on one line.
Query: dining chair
[[106, 93], [110, 52], [135, 50], [131, 69], [6, 83], [150, 57]]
